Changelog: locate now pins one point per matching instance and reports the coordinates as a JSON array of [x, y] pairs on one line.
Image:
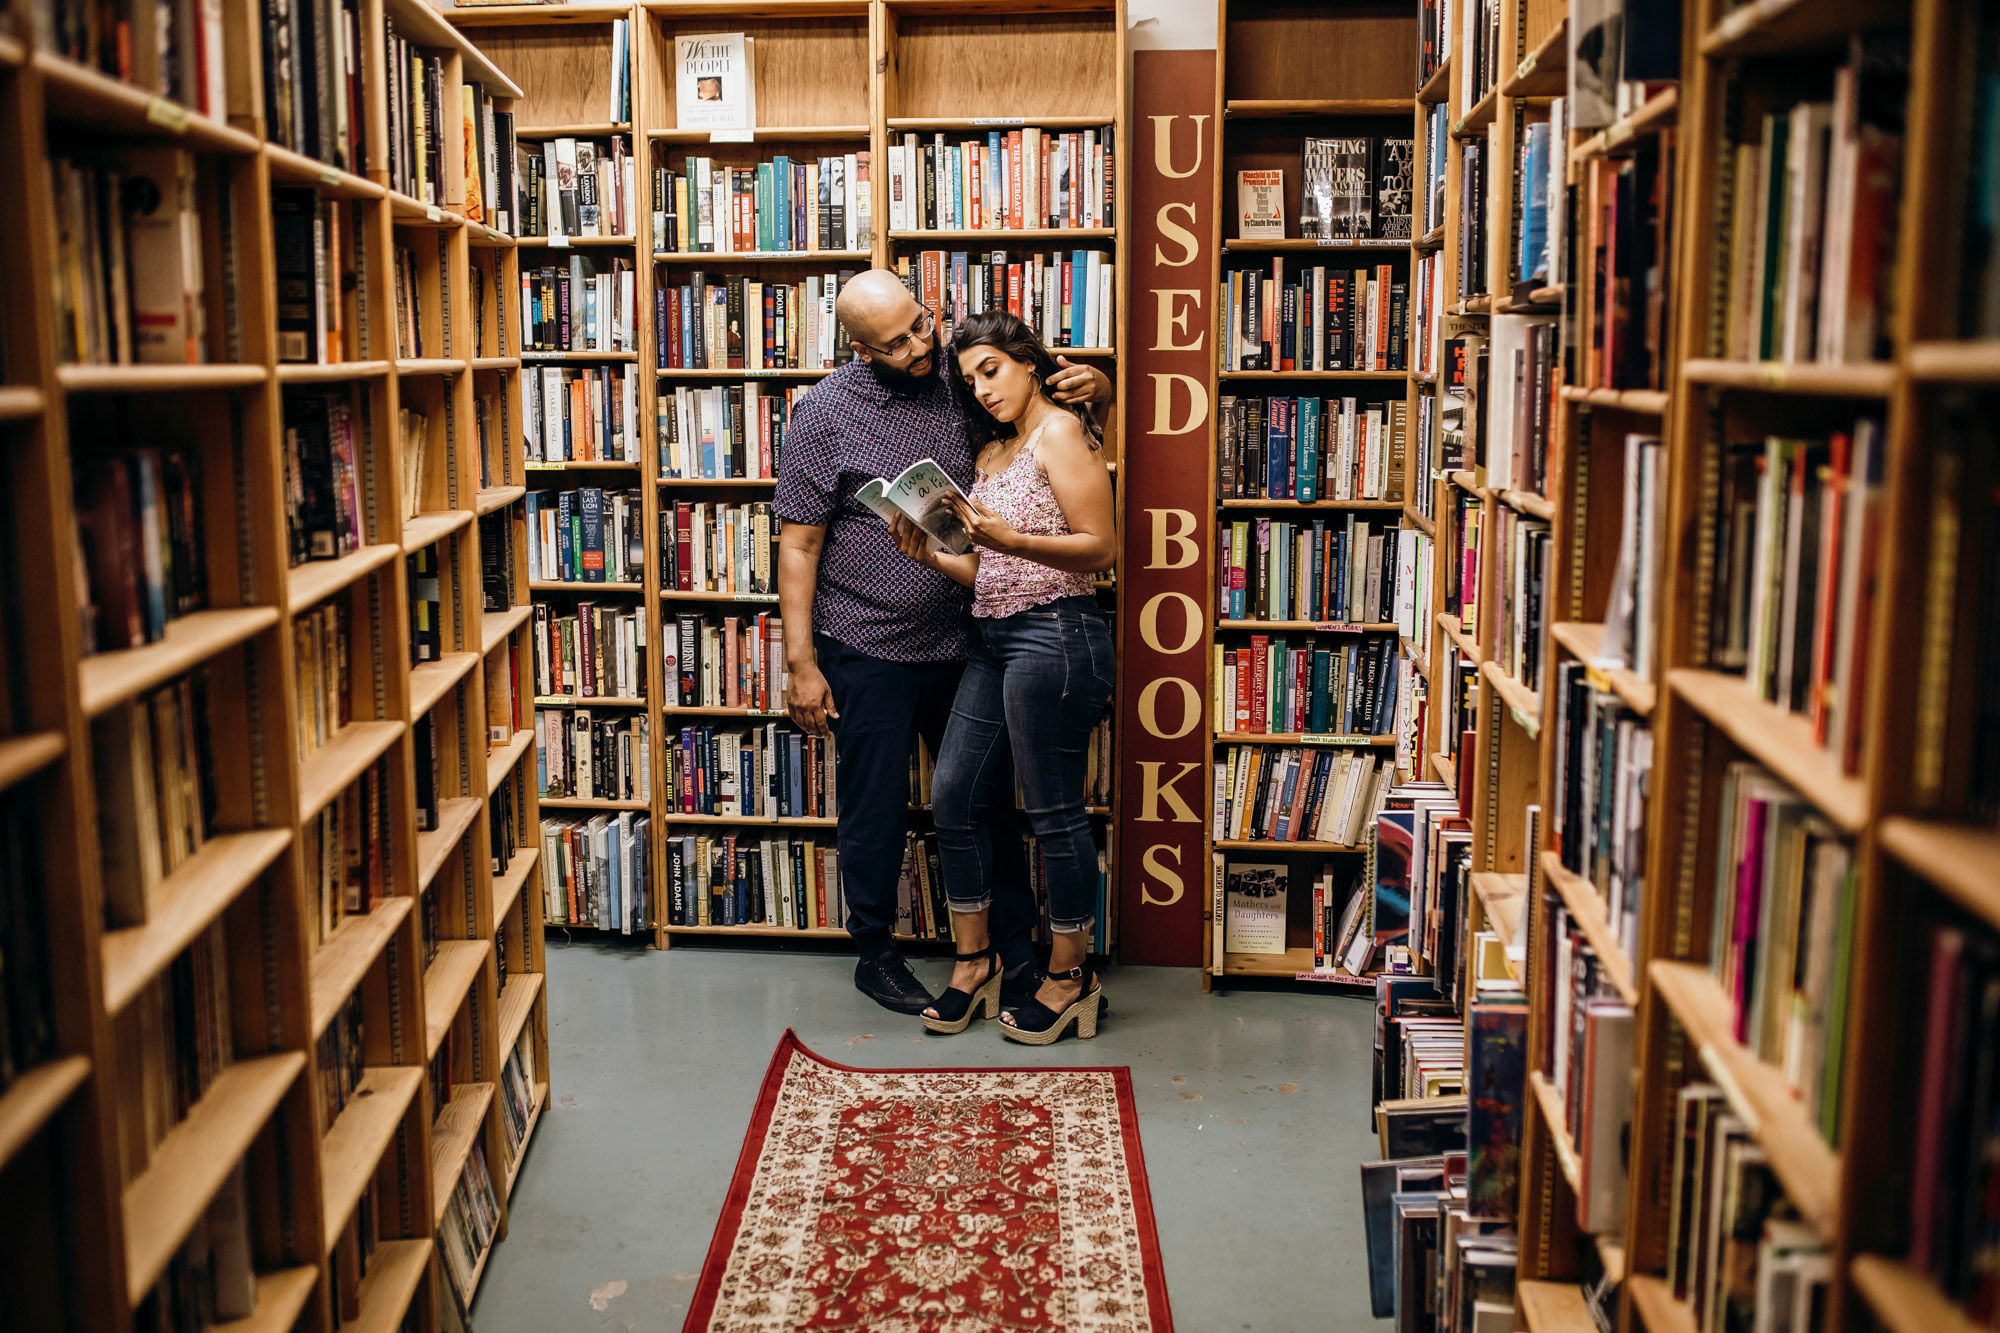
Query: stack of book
[[131, 230], [1319, 318], [344, 852], [782, 206], [598, 871], [590, 756], [726, 661], [1346, 571], [597, 651], [139, 521], [588, 535], [720, 548], [1065, 296], [1308, 449], [153, 763], [1007, 180], [583, 306], [735, 430], [580, 413], [744, 323], [773, 771], [572, 188], [1343, 688]]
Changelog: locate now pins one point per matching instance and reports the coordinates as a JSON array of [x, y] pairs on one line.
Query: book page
[[920, 493]]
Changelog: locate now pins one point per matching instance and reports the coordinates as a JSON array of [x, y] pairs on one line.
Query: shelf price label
[[431, 214], [558, 241], [1336, 740], [1595, 677], [998, 120], [1337, 627], [328, 176], [1524, 722], [1336, 240], [168, 115], [732, 136]]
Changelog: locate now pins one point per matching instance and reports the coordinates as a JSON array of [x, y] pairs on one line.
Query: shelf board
[[568, 585], [1303, 738], [1963, 860], [570, 12], [690, 710], [770, 134], [1296, 244], [1659, 111], [1658, 1308], [1582, 639], [1437, 88], [79, 95], [485, 237], [1467, 481], [1861, 379], [583, 464], [1641, 402], [158, 379], [330, 372], [1544, 72], [431, 681], [281, 1296], [1430, 243], [493, 498], [1320, 626], [341, 760], [1287, 964], [430, 365], [591, 803], [1504, 898], [1586, 908], [1781, 741], [108, 679], [517, 1002], [1808, 1169], [182, 906], [33, 1099], [298, 169], [949, 123], [20, 402], [541, 1101], [420, 25], [1796, 25], [1447, 769], [1556, 1126], [496, 363], [495, 626], [1955, 362], [13, 53], [192, 1162], [508, 883], [21, 757], [394, 1271], [1312, 375], [787, 821], [759, 256], [1310, 504], [315, 580], [678, 482], [424, 529], [1906, 1300], [344, 957], [449, 977], [1419, 522], [452, 1136], [1527, 502], [407, 212], [434, 847], [1002, 236], [500, 762], [1281, 108], [1275, 848], [1466, 647], [675, 595], [583, 357], [1554, 1307], [358, 1137], [757, 931], [586, 701], [1475, 121], [738, 373], [1522, 703]]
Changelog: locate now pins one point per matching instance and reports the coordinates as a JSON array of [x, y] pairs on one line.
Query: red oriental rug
[[936, 1201]]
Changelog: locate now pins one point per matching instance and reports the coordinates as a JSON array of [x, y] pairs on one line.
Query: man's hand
[[1078, 384], [809, 700], [912, 541]]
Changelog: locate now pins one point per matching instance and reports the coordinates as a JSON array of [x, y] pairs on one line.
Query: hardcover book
[[1339, 175], [1254, 908], [1496, 1080]]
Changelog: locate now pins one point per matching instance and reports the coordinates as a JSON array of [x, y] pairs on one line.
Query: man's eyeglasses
[[919, 332]]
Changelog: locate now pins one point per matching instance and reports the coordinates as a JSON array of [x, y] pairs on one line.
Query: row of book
[[745, 323], [596, 651], [316, 245], [173, 1040], [587, 535], [411, 312], [136, 231], [211, 1280], [1320, 319], [1514, 392], [345, 852], [154, 767], [1628, 235], [341, 1057], [782, 206], [1349, 571], [1961, 659], [772, 771], [720, 548], [1953, 1205], [1472, 184], [519, 1076], [1252, 902], [1525, 547], [322, 475], [1978, 223], [1797, 532], [492, 186], [139, 530], [413, 435], [731, 880], [1597, 807], [1633, 612], [1351, 189], [27, 1017], [321, 674], [1006, 180], [1423, 884], [585, 305], [573, 187], [471, 1219], [586, 755], [1281, 447], [1809, 238], [1589, 1052], [580, 414], [597, 871], [420, 123], [735, 430], [1067, 298], [1344, 687], [496, 561], [726, 662], [1541, 164], [1296, 794], [1461, 582]]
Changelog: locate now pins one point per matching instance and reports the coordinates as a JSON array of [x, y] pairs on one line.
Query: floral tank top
[[1020, 493]]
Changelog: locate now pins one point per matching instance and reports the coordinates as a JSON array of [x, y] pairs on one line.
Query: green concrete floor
[[1253, 1109]]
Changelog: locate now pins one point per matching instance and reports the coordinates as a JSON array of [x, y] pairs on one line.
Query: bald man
[[875, 642]]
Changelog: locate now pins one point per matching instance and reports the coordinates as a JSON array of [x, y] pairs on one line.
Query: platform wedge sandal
[[1035, 1024], [955, 1009]]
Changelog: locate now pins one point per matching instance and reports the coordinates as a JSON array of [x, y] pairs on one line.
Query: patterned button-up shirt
[[851, 429]]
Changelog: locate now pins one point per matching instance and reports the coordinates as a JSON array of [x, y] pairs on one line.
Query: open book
[[919, 495]]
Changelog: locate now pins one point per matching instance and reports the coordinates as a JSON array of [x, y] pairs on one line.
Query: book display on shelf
[[253, 799]]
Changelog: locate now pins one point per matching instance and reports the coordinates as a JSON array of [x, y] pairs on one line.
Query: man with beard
[[874, 642]]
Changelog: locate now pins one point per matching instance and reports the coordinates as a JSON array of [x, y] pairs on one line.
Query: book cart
[[342, 1177], [1287, 71], [832, 77]]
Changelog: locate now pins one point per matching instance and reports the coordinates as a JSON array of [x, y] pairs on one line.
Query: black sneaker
[[886, 979]]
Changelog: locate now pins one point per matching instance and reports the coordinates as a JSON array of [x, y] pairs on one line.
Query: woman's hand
[[1078, 384], [987, 529], [913, 541]]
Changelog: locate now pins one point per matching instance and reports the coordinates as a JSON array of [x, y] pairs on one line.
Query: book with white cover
[[715, 86], [1254, 909], [919, 494]]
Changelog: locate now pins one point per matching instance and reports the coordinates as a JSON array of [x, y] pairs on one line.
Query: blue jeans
[[1034, 687]]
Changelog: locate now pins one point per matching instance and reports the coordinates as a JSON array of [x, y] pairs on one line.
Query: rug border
[[733, 1203]]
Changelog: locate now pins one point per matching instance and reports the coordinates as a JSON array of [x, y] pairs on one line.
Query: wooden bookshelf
[[250, 885]]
